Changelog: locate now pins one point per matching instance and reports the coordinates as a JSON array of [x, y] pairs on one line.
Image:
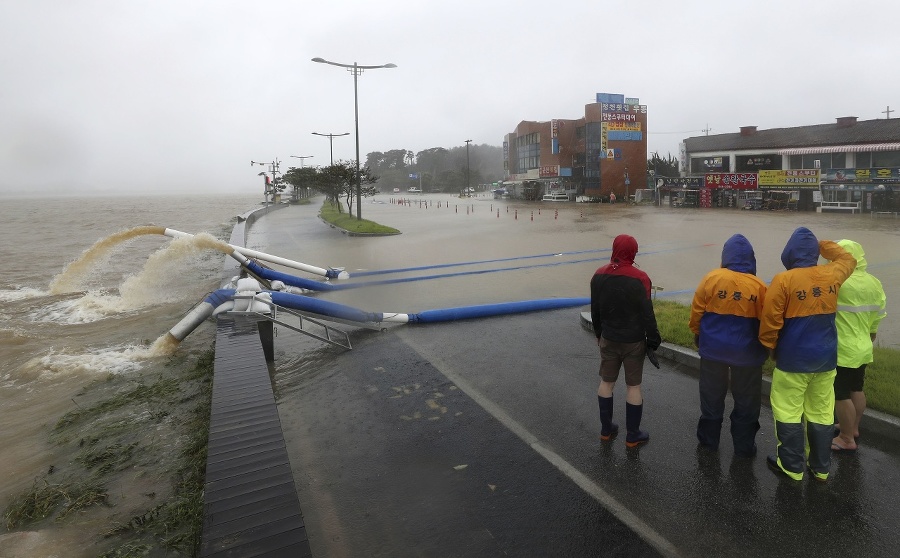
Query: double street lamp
[[331, 142], [355, 69], [302, 158]]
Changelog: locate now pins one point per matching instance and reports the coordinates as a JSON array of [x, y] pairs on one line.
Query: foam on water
[[21, 293], [99, 362], [165, 278]]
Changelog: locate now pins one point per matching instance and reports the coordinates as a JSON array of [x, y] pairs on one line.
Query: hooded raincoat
[[798, 320], [861, 307], [621, 308], [726, 308]]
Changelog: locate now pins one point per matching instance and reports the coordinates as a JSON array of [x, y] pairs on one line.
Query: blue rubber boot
[[608, 429], [635, 435]]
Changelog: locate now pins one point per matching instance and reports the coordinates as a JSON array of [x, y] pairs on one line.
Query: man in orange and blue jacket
[[725, 315], [798, 328]]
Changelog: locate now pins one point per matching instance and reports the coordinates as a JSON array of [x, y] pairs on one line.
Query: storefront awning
[[857, 148]]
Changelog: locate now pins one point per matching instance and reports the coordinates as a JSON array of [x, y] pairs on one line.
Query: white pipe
[[191, 320], [267, 257], [395, 318]]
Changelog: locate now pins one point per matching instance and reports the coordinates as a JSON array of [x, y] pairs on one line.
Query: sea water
[[88, 289]]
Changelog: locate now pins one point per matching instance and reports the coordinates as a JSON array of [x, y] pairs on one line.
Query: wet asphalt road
[[480, 438]]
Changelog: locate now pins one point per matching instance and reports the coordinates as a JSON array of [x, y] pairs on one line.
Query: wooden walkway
[[250, 502]]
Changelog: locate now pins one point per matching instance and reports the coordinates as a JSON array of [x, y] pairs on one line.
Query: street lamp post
[[302, 157], [468, 141], [627, 183], [331, 142], [355, 69]]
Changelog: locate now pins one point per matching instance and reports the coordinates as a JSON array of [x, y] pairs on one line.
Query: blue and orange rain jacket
[[726, 308], [798, 319]]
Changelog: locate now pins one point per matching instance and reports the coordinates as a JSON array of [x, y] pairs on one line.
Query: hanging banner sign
[[687, 182], [881, 175], [731, 180], [622, 135], [803, 178], [628, 126], [547, 171]]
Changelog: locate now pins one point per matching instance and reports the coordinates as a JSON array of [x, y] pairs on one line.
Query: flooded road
[[479, 437], [550, 250]]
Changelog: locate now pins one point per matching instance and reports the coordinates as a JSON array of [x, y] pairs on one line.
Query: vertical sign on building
[[554, 137], [604, 137]]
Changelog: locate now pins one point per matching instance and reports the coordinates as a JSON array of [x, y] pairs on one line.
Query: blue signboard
[[624, 135], [610, 98], [879, 175]]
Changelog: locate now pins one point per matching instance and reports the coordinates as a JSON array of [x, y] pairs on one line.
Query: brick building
[[603, 152]]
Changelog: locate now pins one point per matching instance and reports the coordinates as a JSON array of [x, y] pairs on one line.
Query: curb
[[878, 423]]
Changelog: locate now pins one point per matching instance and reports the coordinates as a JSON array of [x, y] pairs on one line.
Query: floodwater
[[64, 327], [376, 435], [85, 291], [510, 251]]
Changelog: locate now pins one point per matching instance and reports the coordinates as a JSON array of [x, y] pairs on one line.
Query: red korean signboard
[[731, 180]]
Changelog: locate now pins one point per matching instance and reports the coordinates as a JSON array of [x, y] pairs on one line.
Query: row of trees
[[337, 182], [663, 166], [437, 169]]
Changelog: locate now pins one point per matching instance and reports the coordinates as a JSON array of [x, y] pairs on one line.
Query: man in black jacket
[[625, 326]]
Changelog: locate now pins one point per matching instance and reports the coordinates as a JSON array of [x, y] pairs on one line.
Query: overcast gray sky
[[165, 95]]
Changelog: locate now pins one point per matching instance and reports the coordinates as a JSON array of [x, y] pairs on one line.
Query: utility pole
[[468, 141], [274, 165]]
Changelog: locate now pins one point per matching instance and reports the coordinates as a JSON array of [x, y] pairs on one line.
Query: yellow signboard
[[797, 178], [627, 126]]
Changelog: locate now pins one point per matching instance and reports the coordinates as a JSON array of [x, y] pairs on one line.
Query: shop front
[[679, 191], [728, 189], [789, 190], [870, 190]]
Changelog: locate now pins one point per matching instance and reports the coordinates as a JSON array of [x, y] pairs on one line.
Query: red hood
[[624, 249]]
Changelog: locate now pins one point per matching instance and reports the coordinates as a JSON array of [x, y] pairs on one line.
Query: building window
[[753, 163], [864, 160], [886, 159], [796, 161], [824, 159], [701, 165], [529, 139]]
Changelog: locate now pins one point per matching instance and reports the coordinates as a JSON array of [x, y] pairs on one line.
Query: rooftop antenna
[[888, 112]]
